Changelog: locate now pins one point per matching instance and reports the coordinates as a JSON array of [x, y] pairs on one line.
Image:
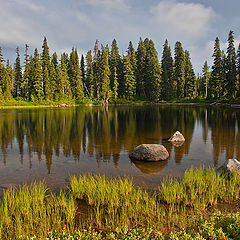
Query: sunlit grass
[[113, 204]]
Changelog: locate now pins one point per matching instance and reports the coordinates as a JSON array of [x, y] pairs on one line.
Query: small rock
[[149, 152], [229, 166], [177, 137]]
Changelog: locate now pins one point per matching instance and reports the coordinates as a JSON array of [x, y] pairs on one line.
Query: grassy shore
[[115, 208], [20, 103]]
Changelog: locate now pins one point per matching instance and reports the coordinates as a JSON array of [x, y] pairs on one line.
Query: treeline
[[104, 75]]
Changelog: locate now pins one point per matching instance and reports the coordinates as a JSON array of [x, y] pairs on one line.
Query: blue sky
[[78, 23]]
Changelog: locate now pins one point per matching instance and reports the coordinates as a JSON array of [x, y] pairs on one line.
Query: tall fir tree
[[129, 78], [167, 73], [205, 80], [140, 71], [1, 70], [7, 81], [89, 75], [132, 57], [64, 87], [238, 71], [190, 78], [116, 76], [216, 82], [152, 73], [45, 61], [26, 73], [37, 77], [179, 70], [18, 79], [231, 67], [105, 74]]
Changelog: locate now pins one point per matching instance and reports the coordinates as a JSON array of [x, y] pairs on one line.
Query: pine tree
[[167, 73], [90, 75], [18, 79], [179, 70], [7, 81], [97, 70], [140, 71], [238, 70], [1, 70], [105, 73], [129, 78], [216, 82], [152, 73], [132, 56], [190, 78], [83, 70], [231, 67], [37, 77]]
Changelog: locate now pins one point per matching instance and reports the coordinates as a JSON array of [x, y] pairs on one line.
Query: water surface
[[53, 144]]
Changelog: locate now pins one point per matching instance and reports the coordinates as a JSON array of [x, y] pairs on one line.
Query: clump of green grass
[[29, 210], [200, 188]]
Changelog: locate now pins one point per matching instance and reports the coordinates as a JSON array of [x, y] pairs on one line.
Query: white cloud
[[193, 20], [107, 4]]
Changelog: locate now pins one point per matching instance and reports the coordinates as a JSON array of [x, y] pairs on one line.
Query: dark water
[[53, 144]]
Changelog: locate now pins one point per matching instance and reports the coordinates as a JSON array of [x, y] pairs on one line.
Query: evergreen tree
[[231, 67], [129, 78], [115, 63], [97, 69], [105, 73], [26, 74], [190, 78], [140, 71], [64, 88], [167, 73], [152, 73], [216, 82], [37, 77], [132, 56], [54, 60], [18, 79], [7, 81], [205, 80], [45, 57], [75, 75], [83, 74], [238, 70], [1, 69], [90, 75], [179, 70]]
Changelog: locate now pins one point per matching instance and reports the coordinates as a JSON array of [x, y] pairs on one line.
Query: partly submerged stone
[[177, 137], [149, 152], [229, 166]]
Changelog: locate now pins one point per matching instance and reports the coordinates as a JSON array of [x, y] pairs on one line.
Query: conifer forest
[[104, 75]]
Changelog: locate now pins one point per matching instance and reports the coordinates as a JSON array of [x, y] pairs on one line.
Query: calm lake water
[[53, 144]]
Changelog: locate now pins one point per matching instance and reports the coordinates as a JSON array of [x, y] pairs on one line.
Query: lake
[[55, 143]]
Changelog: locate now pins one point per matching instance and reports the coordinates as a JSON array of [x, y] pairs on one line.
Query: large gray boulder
[[149, 153], [229, 166], [177, 137]]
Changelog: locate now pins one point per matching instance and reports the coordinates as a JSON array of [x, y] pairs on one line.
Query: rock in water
[[229, 166], [149, 152], [177, 137]]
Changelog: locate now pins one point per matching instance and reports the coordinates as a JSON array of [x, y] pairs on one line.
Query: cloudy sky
[[78, 23]]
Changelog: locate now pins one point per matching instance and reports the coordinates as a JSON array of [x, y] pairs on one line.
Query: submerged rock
[[177, 137], [149, 152], [229, 166]]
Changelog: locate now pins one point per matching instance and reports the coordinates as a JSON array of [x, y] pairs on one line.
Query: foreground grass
[[116, 206]]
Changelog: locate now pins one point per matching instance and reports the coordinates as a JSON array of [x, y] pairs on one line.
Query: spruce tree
[[7, 81], [140, 71], [238, 70], [190, 78], [132, 56], [231, 67], [216, 82], [37, 77], [179, 70], [152, 73], [89, 75], [129, 78], [26, 74], [97, 70], [64, 88], [116, 77], [167, 73], [18, 79], [105, 74], [45, 57], [205, 79]]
